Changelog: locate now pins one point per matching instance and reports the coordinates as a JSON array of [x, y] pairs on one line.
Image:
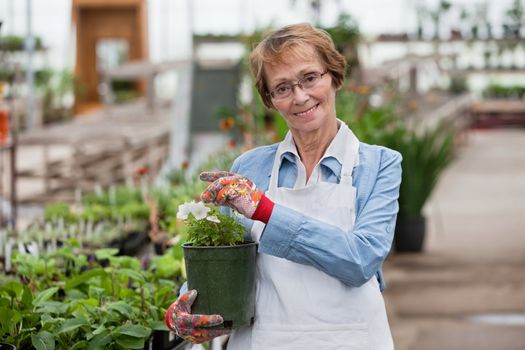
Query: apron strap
[[351, 156], [274, 177]]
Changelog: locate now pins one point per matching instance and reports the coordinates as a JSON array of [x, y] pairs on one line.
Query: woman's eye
[[309, 78], [282, 89]]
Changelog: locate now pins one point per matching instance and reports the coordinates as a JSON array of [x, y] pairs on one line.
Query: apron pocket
[[327, 337]]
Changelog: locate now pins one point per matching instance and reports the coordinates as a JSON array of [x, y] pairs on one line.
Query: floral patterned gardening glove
[[192, 327], [237, 192]]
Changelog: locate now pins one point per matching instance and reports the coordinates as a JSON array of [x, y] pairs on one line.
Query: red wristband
[[264, 210]]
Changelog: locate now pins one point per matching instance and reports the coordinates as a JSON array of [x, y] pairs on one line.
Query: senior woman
[[322, 206]]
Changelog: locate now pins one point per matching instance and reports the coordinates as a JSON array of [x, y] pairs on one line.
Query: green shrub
[[500, 91]]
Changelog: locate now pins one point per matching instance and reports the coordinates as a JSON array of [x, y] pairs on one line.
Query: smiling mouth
[[311, 109]]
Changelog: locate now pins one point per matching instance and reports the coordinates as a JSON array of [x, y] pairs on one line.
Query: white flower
[[199, 210], [184, 210], [213, 218]]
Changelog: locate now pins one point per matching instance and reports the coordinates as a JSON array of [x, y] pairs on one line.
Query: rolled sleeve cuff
[[280, 231], [264, 210]]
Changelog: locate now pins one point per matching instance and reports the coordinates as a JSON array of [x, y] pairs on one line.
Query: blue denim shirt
[[351, 257]]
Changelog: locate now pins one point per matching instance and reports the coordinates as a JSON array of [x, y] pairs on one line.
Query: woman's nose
[[300, 96]]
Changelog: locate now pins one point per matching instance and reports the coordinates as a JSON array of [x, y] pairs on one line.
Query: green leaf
[[133, 331], [134, 275], [91, 307], [84, 277], [53, 307], [166, 265], [100, 340], [121, 307], [130, 342], [106, 253], [100, 329], [4, 302], [72, 324], [80, 345], [13, 289], [95, 292], [125, 262], [158, 326], [27, 297], [43, 341], [8, 319], [44, 295], [47, 318], [76, 294]]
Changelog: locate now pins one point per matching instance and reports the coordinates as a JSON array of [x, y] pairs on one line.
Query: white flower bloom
[[199, 210], [184, 210], [213, 218]]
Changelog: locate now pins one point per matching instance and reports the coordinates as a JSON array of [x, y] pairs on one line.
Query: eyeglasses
[[285, 89]]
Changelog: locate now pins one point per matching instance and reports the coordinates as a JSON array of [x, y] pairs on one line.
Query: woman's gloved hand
[[192, 327], [237, 192]]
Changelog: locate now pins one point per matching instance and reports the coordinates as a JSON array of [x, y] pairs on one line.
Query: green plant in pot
[[220, 265], [425, 154]]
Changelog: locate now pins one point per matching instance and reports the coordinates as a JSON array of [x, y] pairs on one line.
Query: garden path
[[467, 290]]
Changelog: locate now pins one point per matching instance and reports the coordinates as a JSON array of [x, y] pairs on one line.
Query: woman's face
[[308, 110]]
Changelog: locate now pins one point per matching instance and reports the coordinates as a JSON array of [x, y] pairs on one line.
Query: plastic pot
[[164, 340], [410, 234], [5, 346], [224, 278]]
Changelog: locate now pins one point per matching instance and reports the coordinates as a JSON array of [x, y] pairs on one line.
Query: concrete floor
[[467, 290]]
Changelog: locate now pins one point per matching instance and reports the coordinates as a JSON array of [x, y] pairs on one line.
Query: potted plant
[[220, 265], [425, 155]]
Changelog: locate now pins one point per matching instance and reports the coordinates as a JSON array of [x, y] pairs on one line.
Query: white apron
[[299, 307]]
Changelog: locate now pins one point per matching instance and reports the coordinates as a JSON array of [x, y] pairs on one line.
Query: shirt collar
[[333, 157], [289, 150]]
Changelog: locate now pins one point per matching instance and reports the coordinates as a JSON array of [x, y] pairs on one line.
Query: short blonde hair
[[294, 39]]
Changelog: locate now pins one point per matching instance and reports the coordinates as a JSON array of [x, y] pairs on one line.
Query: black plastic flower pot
[[5, 346], [409, 234], [164, 340], [224, 278]]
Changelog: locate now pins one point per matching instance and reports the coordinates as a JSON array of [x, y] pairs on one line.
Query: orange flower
[[412, 105], [143, 170], [363, 89], [185, 164], [232, 143], [227, 123]]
